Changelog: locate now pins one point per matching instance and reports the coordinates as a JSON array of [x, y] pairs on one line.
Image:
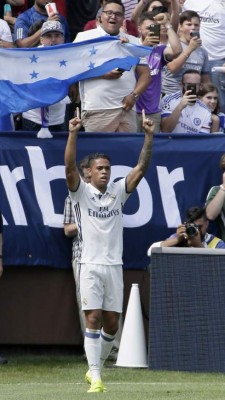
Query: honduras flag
[[40, 76]]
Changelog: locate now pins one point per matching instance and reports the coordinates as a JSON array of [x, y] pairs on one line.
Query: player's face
[[100, 171], [112, 23], [210, 99]]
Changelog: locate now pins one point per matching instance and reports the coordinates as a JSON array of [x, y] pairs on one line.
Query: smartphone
[[155, 29], [120, 69], [195, 34], [192, 87]]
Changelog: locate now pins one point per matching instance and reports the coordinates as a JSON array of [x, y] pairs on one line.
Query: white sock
[[107, 342], [92, 345]]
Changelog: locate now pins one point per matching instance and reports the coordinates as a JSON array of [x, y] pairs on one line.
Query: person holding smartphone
[[212, 13], [183, 112], [108, 102], [152, 29], [193, 55]]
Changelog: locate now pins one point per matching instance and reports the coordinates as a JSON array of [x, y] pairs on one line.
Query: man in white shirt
[[98, 213], [5, 35], [212, 13], [108, 102], [182, 112]]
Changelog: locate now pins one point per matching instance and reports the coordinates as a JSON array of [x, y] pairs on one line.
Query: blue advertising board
[[33, 190]]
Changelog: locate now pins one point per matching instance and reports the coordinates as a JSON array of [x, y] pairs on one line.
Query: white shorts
[[101, 287]]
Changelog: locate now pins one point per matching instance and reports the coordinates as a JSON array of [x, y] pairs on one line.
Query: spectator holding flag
[[108, 103], [52, 118]]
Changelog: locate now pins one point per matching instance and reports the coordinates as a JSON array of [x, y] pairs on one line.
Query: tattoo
[[146, 154]]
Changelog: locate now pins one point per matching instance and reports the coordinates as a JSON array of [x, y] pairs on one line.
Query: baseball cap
[[51, 26]]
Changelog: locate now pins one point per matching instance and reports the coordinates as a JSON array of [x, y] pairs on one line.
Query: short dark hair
[[194, 213], [188, 15], [144, 16], [191, 71], [96, 156], [116, 2]]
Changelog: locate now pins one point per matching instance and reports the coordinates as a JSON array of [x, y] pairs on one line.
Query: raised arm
[[215, 204], [138, 10], [175, 65], [134, 177], [72, 173]]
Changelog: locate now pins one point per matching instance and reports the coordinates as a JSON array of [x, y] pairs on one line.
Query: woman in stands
[[209, 95]]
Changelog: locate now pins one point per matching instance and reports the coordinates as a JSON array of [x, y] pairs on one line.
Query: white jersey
[[193, 119], [212, 13], [99, 220], [107, 94]]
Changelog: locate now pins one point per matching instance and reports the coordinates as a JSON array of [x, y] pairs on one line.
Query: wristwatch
[[135, 95]]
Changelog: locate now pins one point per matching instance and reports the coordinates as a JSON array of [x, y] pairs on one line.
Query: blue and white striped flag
[[40, 76]]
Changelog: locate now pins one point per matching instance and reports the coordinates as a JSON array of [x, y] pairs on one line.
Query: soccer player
[[98, 212]]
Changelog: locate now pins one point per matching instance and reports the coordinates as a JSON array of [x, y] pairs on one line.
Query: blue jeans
[[218, 79]]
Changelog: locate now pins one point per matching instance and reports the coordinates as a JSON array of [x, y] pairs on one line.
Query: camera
[[191, 229]]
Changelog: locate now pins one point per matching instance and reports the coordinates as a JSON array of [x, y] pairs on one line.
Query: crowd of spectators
[[185, 43], [190, 39]]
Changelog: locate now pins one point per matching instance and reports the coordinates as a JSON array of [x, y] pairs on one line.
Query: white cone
[[132, 350], [44, 133]]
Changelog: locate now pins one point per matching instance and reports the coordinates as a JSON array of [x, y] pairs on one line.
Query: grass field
[[52, 376]]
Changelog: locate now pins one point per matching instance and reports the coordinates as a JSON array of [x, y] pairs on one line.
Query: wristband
[[135, 95], [169, 26], [222, 188]]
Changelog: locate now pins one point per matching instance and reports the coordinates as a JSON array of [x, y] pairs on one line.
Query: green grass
[[61, 377]]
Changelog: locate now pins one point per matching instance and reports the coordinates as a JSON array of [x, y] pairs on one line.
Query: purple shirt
[[150, 98]]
